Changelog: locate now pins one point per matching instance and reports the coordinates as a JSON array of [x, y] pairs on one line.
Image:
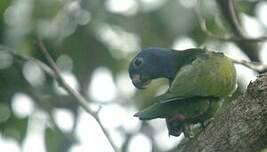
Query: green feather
[[210, 74], [192, 108]]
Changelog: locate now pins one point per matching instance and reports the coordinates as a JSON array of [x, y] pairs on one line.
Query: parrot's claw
[[206, 123], [188, 131], [191, 131]]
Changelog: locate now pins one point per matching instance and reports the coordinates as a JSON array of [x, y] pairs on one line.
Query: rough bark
[[242, 127]]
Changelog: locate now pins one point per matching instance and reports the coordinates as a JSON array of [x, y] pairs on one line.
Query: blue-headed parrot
[[198, 80]]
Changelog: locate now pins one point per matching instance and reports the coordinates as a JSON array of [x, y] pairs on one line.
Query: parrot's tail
[[149, 113]]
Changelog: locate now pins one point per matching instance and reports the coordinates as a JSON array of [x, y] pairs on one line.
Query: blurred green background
[[92, 42]]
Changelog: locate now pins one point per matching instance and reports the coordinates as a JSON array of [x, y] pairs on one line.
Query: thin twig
[[259, 67], [24, 58], [255, 66], [228, 37], [51, 72], [203, 25], [236, 22], [33, 93], [79, 98], [235, 19]]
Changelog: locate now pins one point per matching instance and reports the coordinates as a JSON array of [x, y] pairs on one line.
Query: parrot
[[199, 80]]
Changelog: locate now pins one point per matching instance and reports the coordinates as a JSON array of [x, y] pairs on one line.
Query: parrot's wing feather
[[199, 77], [158, 109], [188, 107], [174, 99], [168, 97]]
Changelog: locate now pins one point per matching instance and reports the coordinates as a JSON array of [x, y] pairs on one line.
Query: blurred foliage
[[93, 34], [56, 141]]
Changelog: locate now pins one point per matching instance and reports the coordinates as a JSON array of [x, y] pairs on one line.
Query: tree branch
[[239, 34], [256, 66], [79, 98], [55, 73], [231, 15], [241, 127]]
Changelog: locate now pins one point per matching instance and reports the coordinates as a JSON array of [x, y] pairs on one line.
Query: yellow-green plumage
[[210, 74], [201, 80]]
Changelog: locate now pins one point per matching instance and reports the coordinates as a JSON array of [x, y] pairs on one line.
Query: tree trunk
[[242, 127]]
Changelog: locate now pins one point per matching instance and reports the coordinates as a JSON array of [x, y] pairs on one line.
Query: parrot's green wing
[[190, 108], [210, 74]]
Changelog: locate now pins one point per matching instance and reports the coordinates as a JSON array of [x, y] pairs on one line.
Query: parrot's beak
[[138, 83]]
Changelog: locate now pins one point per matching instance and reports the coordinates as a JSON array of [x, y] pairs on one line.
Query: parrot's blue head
[[151, 63]]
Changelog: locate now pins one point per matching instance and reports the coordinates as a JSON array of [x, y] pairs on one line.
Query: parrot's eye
[[138, 62]]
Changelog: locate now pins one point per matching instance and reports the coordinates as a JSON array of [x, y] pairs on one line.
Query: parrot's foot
[[206, 123], [192, 130], [188, 131]]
